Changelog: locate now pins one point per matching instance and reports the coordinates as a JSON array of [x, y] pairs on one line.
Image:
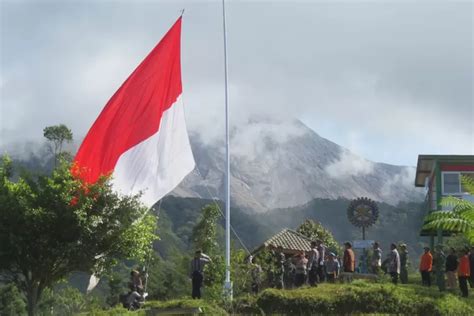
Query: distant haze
[[386, 79]]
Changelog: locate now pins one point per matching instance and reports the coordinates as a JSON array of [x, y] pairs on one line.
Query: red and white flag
[[140, 136]]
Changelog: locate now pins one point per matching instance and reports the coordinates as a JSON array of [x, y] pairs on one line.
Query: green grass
[[364, 297], [359, 297]]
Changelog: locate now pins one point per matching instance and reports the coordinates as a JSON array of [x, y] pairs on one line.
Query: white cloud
[[349, 165]]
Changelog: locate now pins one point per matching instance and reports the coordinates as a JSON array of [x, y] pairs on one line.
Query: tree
[[460, 219], [315, 230], [57, 135], [53, 225], [205, 238]]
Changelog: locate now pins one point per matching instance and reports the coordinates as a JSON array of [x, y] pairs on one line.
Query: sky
[[386, 79]]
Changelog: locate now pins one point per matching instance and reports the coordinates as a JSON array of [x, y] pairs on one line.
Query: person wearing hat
[[426, 265], [403, 263], [376, 260], [197, 268], [331, 266]]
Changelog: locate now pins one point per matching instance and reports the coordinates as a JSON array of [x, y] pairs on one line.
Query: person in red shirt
[[348, 261], [464, 272], [426, 265]]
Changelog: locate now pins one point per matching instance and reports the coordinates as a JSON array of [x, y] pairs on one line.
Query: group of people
[[449, 266], [319, 265], [395, 264]]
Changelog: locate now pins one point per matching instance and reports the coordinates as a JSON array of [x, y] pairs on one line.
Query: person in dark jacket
[[451, 268], [196, 272], [313, 264]]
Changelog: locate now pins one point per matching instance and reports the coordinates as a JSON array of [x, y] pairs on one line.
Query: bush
[[245, 305], [11, 301], [362, 297], [207, 307]]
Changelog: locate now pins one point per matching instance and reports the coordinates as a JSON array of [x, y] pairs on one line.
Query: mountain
[[178, 216], [283, 163], [274, 164]]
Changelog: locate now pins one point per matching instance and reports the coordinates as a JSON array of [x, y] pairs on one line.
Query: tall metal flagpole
[[228, 283]]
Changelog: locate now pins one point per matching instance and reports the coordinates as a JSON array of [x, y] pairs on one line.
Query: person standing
[[439, 262], [322, 255], [426, 265], [403, 264], [197, 268], [313, 264], [256, 273], [451, 267], [464, 273], [289, 274], [279, 268], [301, 266], [471, 266], [376, 261], [331, 266], [394, 264], [348, 260]]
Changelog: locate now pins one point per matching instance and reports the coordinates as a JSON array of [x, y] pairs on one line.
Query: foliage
[[11, 301], [53, 225], [205, 238], [240, 272], [57, 135], [460, 219], [115, 282], [205, 231], [65, 301], [315, 230], [207, 307], [362, 297], [169, 278]]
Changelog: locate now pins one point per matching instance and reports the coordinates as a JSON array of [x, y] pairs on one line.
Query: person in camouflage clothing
[[403, 264], [279, 268]]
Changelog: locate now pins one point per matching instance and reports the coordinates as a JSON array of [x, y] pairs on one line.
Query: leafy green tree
[[57, 135], [11, 302], [204, 237], [460, 219], [315, 230], [169, 279], [66, 301], [53, 225]]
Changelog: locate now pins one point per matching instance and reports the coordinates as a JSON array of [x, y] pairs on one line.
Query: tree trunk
[[32, 298]]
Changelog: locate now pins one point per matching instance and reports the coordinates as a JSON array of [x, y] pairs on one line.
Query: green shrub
[[11, 301], [362, 297], [245, 305], [207, 307]]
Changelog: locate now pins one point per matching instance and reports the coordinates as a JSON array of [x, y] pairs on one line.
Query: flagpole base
[[228, 293]]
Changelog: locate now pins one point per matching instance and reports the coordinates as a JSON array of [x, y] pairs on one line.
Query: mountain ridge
[[284, 163]]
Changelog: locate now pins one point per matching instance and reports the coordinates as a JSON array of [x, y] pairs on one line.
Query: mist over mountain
[[275, 163], [283, 163]]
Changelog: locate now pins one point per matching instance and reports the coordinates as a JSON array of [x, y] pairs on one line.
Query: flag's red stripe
[[134, 112]]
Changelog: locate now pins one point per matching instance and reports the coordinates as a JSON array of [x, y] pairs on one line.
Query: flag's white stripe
[[158, 164]]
